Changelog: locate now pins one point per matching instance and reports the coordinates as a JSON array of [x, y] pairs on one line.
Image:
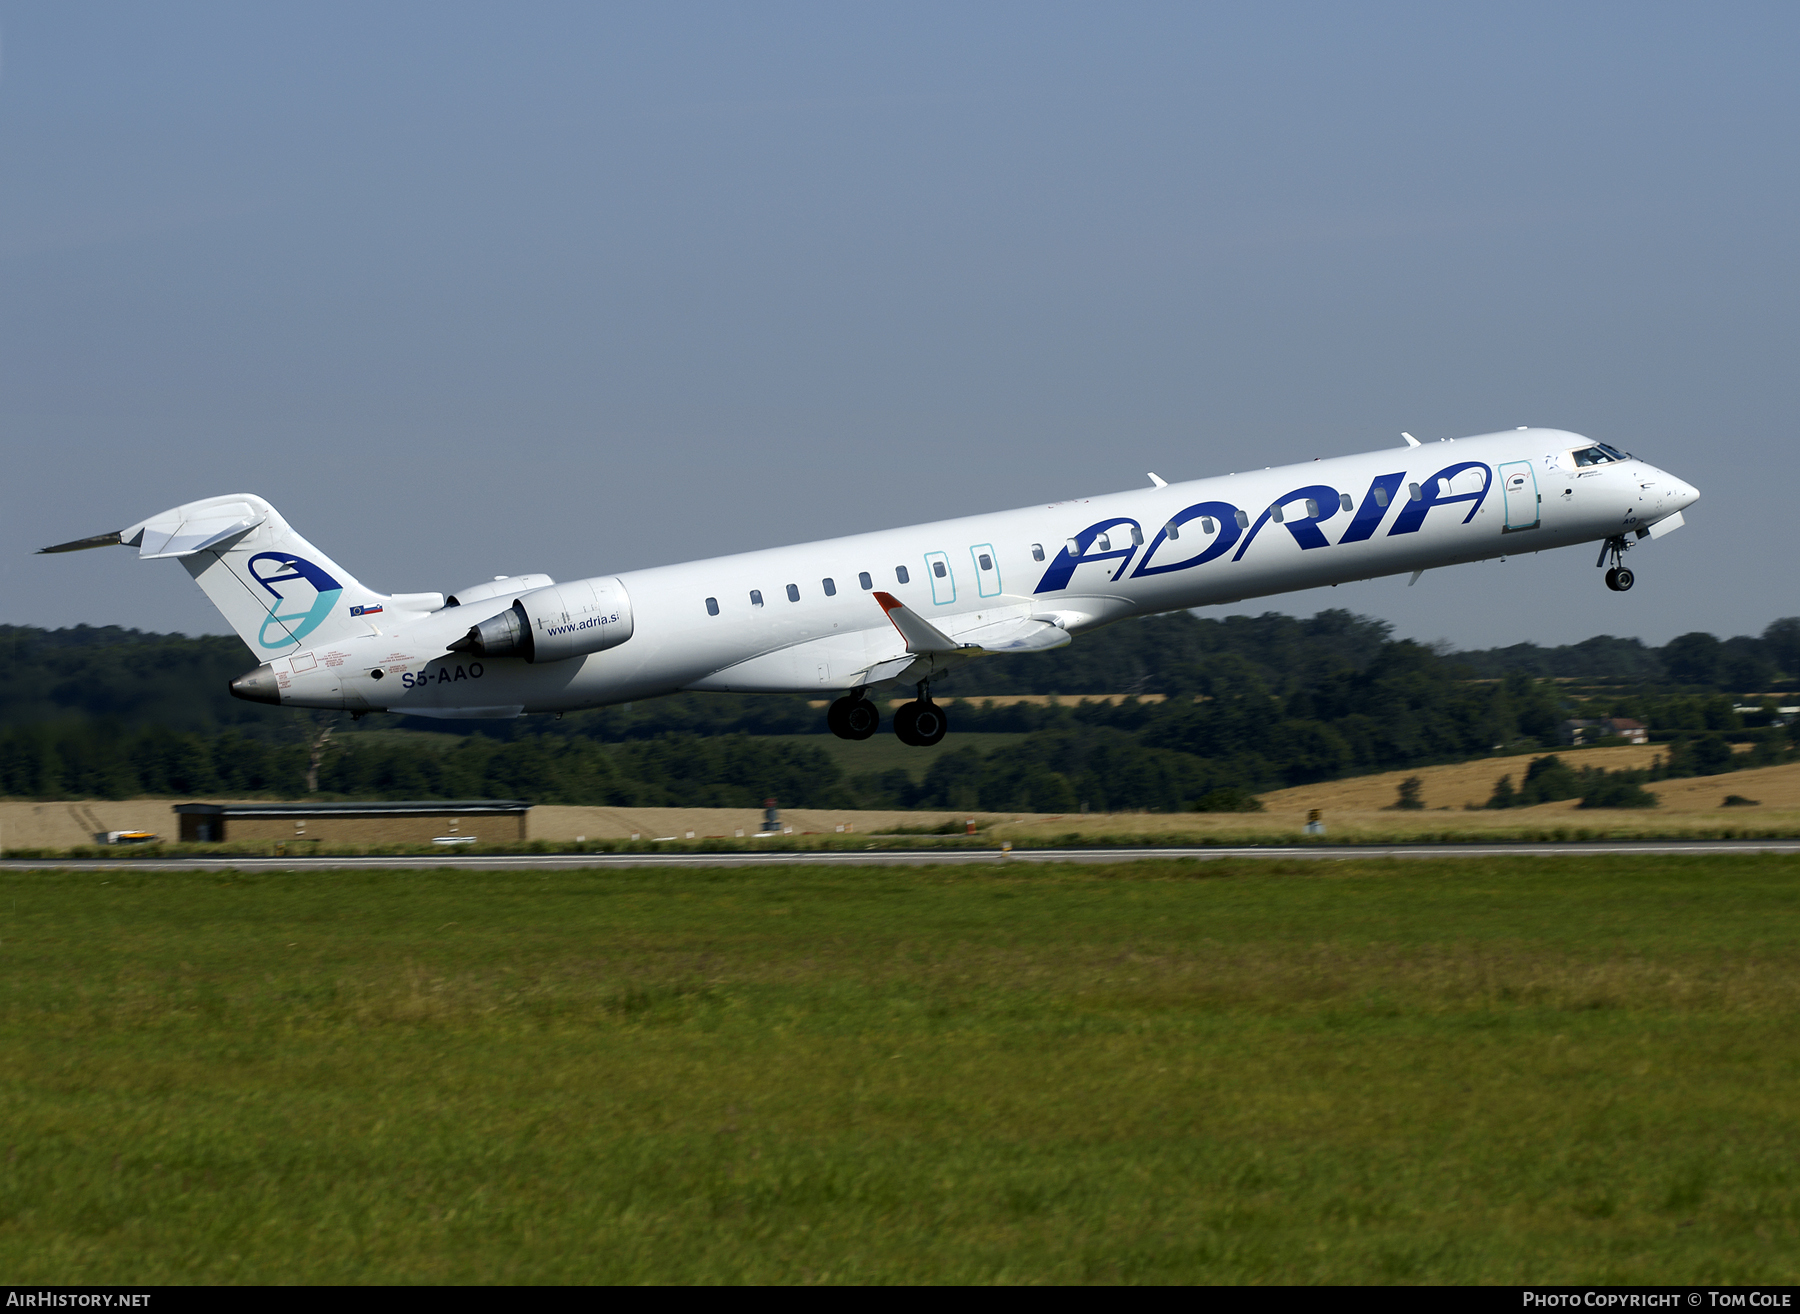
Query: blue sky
[[485, 289]]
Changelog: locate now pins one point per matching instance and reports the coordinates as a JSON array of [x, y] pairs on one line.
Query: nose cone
[[257, 686]]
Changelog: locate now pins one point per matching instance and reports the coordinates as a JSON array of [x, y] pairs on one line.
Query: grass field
[[1546, 1070]]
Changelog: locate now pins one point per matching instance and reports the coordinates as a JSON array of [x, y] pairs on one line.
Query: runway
[[920, 857]]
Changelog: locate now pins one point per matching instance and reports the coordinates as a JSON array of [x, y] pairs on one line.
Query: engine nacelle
[[550, 624], [499, 587]]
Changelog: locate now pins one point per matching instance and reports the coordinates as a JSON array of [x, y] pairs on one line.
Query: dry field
[[1353, 809]]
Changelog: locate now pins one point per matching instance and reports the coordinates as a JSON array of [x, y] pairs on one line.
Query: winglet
[[1157, 479], [1410, 440], [920, 634]]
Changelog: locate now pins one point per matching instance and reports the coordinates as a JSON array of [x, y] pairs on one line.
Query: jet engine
[[497, 587], [550, 624]]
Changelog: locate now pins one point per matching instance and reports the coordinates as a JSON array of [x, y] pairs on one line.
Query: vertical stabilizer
[[279, 592]]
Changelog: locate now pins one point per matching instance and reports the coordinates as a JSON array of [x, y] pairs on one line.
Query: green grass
[[1545, 1070]]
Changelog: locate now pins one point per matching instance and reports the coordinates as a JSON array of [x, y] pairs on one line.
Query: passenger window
[[830, 586], [793, 592], [712, 606], [1172, 530], [1312, 508], [1345, 502], [1104, 542], [862, 578], [1275, 514], [987, 562], [1206, 525], [901, 575], [1037, 551], [1242, 519], [1074, 547], [1380, 495], [938, 568], [1415, 492], [1137, 537], [756, 597]]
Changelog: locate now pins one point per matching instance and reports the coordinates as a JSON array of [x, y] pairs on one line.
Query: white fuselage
[[1075, 564]]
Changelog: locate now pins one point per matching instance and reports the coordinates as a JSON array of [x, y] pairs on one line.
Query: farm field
[[1354, 810], [1502, 1071]]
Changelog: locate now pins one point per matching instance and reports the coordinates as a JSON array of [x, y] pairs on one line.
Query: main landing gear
[[921, 723], [853, 717], [1619, 579]]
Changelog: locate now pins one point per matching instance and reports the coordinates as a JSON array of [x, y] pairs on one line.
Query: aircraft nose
[[257, 686]]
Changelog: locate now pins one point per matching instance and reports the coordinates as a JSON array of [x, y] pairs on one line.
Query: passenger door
[[1518, 484]]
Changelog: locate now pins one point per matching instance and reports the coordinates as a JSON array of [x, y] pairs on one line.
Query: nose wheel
[[1619, 577]]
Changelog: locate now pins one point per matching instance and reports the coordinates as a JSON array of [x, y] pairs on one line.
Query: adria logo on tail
[[271, 568]]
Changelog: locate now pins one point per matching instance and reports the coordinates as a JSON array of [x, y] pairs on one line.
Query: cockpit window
[[1596, 455], [1615, 453]]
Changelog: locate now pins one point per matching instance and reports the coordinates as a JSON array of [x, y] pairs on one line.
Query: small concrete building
[[458, 821]]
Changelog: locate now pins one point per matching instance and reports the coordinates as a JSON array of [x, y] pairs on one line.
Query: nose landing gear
[[853, 717], [1619, 578], [921, 723]]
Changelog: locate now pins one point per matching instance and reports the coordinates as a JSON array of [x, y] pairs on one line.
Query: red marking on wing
[[888, 601]]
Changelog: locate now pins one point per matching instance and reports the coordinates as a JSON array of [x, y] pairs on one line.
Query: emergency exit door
[[987, 569]]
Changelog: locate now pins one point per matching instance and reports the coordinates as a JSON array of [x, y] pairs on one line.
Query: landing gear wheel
[[1612, 579], [1623, 579], [861, 718], [920, 724], [853, 717], [930, 725]]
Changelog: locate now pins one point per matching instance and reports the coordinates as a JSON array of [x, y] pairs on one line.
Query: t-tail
[[278, 591]]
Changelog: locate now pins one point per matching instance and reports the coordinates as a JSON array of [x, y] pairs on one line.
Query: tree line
[[1316, 700], [179, 683]]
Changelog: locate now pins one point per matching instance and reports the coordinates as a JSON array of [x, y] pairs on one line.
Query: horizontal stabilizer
[[190, 529], [81, 544]]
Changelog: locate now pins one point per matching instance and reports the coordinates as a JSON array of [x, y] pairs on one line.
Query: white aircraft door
[[943, 583], [987, 569], [1518, 483]]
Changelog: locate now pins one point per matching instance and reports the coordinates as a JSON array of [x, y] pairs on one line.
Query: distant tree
[[1782, 640], [1228, 800], [1615, 789], [1504, 795], [1745, 665], [1548, 779], [1711, 755], [1692, 658], [1408, 799]]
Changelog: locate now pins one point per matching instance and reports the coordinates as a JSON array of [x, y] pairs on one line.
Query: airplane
[[894, 608]]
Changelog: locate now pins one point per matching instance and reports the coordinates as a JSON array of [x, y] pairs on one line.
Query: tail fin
[[279, 592]]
